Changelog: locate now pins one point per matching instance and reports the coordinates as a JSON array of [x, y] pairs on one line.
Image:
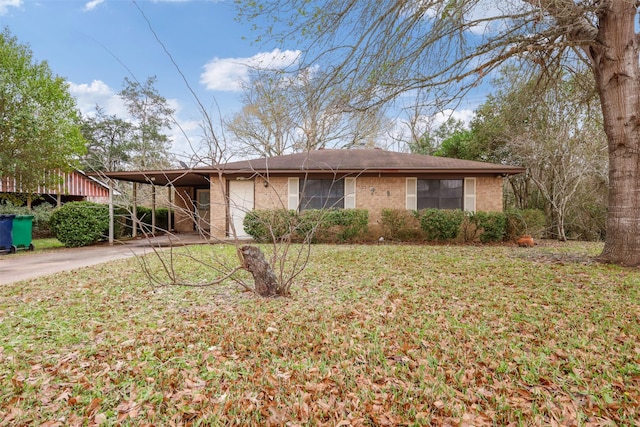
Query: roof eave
[[376, 171]]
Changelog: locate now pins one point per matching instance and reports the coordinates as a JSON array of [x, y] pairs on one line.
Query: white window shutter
[[470, 194], [294, 193], [349, 193], [412, 194]]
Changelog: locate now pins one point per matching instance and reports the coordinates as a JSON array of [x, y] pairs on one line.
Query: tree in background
[[552, 125], [39, 123], [562, 143], [136, 142], [285, 113], [109, 142], [264, 127], [152, 116], [391, 47]]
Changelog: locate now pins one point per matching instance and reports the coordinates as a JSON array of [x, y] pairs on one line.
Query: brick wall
[[375, 194], [372, 193], [274, 196], [489, 194], [218, 207]]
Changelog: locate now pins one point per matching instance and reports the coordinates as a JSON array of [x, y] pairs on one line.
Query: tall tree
[[152, 117], [264, 127], [39, 123], [285, 112], [109, 142], [390, 47], [557, 133]]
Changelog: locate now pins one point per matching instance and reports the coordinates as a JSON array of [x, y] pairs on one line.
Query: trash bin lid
[[4, 216]]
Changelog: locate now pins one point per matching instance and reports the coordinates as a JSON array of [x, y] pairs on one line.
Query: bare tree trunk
[[266, 283], [615, 62]]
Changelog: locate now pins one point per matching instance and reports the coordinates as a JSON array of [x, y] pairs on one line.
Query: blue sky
[[95, 44]]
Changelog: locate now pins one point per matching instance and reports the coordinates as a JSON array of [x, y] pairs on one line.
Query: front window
[[321, 194], [440, 193]]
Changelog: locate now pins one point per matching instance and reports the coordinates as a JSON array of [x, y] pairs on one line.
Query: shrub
[[318, 224], [351, 222], [324, 225], [80, 223], [41, 217], [266, 225], [491, 225], [144, 219], [588, 222], [525, 221], [442, 225], [400, 224]]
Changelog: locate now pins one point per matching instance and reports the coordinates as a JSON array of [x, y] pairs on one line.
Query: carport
[[180, 181]]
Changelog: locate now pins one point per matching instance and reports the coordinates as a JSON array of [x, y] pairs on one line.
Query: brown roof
[[364, 161], [355, 161]]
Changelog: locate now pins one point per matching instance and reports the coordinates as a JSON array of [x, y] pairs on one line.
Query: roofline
[[509, 170], [170, 176]]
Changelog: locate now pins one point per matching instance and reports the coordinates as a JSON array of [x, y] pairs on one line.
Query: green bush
[[80, 223], [351, 222], [588, 222], [525, 221], [326, 225], [400, 224], [492, 226], [316, 224], [266, 225], [441, 225], [125, 225]]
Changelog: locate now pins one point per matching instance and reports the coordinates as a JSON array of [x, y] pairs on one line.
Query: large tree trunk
[[615, 62]]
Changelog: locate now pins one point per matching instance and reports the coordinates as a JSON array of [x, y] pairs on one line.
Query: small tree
[[109, 142], [152, 116], [39, 123]]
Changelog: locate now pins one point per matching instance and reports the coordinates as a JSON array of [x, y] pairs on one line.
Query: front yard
[[373, 335]]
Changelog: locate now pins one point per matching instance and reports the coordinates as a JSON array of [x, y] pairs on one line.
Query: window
[[321, 194], [440, 193]]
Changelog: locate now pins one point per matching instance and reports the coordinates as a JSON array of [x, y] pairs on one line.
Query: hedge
[[80, 223], [440, 224], [492, 226], [315, 224]]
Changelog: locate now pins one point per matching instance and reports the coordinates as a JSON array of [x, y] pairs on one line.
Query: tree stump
[[266, 283]]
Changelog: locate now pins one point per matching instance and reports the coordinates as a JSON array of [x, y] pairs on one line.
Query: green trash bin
[[23, 232]]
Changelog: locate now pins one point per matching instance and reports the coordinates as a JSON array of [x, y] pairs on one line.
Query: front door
[[240, 202]]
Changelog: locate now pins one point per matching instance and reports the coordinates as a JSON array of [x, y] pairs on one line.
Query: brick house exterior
[[216, 198]]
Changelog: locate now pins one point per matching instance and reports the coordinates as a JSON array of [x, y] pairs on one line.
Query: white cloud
[[228, 74], [92, 4], [6, 4], [464, 116], [97, 92]]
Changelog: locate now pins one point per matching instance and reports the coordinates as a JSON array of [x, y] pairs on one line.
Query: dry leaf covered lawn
[[373, 335]]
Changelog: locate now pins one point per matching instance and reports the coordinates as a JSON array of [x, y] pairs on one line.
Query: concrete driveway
[[14, 268]]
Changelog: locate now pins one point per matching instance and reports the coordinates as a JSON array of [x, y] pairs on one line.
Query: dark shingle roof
[[358, 161], [364, 160]]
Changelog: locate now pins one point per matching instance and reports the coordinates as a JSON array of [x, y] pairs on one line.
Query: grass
[[47, 244], [373, 335]]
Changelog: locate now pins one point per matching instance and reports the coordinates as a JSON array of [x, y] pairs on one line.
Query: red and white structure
[[73, 186]]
